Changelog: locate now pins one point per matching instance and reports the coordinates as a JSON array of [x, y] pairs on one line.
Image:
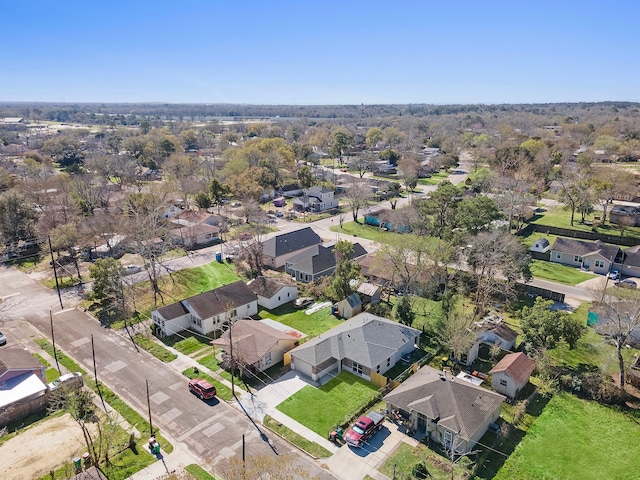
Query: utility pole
[[53, 339], [149, 407], [55, 273], [231, 361], [95, 373]]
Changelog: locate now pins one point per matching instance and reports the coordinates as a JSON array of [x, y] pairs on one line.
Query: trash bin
[[77, 464], [339, 432], [87, 459]]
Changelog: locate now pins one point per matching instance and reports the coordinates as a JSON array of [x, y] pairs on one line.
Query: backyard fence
[[567, 232]]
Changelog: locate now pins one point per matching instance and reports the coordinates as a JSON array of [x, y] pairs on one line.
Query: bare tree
[[358, 196], [619, 320], [456, 334]]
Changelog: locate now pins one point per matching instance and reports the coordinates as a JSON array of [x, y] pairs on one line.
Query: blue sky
[[320, 52]]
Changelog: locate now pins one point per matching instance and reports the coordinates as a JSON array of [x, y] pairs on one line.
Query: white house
[[541, 245], [207, 313], [272, 292], [316, 199]]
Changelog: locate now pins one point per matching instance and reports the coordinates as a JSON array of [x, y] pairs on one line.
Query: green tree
[[403, 311], [107, 288], [189, 139], [374, 135], [390, 155], [545, 328], [474, 215], [342, 140], [218, 191], [442, 206], [346, 270], [17, 217], [203, 200], [305, 177]]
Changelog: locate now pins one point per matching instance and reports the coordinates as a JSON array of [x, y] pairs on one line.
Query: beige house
[[511, 374], [256, 345], [448, 410]]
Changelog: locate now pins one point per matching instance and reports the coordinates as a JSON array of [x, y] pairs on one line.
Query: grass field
[[558, 273], [576, 439], [313, 325], [321, 409], [561, 217], [365, 231]]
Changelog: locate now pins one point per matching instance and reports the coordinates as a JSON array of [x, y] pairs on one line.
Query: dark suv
[[202, 389]]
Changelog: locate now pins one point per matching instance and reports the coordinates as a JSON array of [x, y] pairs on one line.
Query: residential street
[[210, 431]]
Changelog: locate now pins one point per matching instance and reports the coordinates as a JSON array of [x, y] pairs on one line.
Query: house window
[[577, 258], [196, 321], [558, 255], [503, 382], [378, 369], [388, 362], [448, 437], [598, 264], [357, 368], [234, 313], [288, 294], [278, 297], [267, 358]]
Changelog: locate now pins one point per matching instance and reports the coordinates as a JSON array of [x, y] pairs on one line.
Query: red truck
[[364, 428]]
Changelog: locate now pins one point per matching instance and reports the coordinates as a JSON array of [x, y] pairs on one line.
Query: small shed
[[541, 245], [350, 306], [369, 293], [511, 374]]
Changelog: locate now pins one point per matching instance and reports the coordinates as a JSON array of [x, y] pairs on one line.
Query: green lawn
[[154, 348], [573, 438], [558, 273], [321, 409], [313, 325], [534, 236], [561, 217], [198, 473], [308, 446], [405, 457], [365, 231]]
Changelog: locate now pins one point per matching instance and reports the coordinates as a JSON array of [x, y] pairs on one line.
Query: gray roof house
[[273, 292], [278, 249], [207, 313], [597, 256], [318, 261], [362, 345], [448, 410]]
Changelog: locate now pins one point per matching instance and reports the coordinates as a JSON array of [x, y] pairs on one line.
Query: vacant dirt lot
[[37, 450]]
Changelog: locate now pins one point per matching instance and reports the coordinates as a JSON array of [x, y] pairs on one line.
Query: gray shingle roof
[[365, 338], [582, 248], [175, 310], [458, 405], [320, 258], [266, 287], [290, 242], [221, 299]]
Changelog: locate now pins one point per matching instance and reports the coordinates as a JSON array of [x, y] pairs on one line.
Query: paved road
[[211, 431]]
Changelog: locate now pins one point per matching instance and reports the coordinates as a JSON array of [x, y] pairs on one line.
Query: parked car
[[202, 389], [3, 339], [131, 269], [303, 302], [614, 274], [279, 213], [626, 284], [66, 380], [364, 428]]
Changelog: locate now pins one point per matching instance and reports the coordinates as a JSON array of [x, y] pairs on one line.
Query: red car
[[202, 389], [364, 428]]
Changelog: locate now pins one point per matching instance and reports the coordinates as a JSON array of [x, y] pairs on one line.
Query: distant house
[[22, 385], [195, 236], [278, 249], [511, 374], [350, 306], [316, 199], [207, 313], [625, 215], [555, 187], [146, 174], [291, 190], [541, 245], [492, 333], [272, 292], [595, 256], [449, 411], [363, 345], [369, 293], [189, 218], [318, 261], [256, 345]]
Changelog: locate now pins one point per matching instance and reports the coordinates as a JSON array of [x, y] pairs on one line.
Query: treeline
[[123, 114]]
